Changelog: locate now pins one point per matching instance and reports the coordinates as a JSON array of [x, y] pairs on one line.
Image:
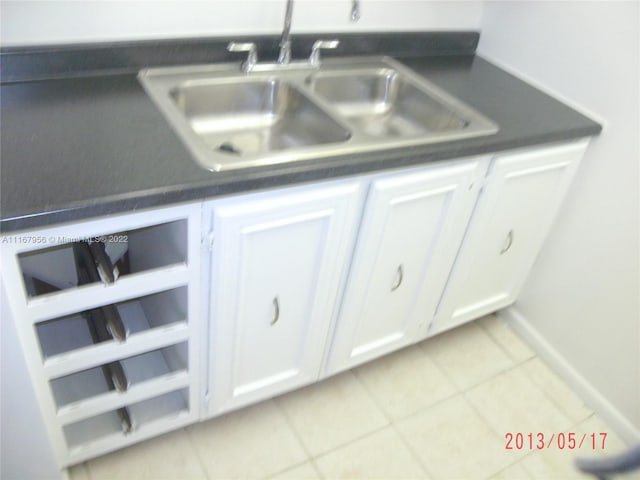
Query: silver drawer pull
[[276, 307], [399, 276], [508, 243]]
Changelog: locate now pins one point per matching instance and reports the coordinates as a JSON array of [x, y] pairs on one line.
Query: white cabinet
[[229, 302], [112, 353], [412, 225], [277, 267], [515, 211]]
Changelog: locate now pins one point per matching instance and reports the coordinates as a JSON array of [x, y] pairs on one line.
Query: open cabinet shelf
[[103, 432], [131, 252], [60, 338], [90, 391]]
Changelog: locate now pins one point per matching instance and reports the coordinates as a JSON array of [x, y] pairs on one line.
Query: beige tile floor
[[436, 410]]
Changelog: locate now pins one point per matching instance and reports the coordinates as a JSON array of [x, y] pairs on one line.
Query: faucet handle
[[252, 58], [318, 45]]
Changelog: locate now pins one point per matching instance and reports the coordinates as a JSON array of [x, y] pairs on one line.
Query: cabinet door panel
[[411, 228], [395, 269], [278, 265], [514, 214], [277, 284]]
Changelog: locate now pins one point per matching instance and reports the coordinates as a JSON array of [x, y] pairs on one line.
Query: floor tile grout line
[[529, 477], [311, 456], [363, 437], [371, 396], [412, 452], [291, 467], [480, 382], [317, 468], [196, 450], [478, 411], [393, 425], [550, 397], [429, 407], [486, 330], [531, 359], [512, 365], [501, 346], [540, 389], [354, 440], [437, 365], [462, 395], [572, 426], [291, 426], [517, 364], [487, 423], [501, 434], [457, 391]]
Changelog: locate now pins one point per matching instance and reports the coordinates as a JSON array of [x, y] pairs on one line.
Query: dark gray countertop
[[74, 148]]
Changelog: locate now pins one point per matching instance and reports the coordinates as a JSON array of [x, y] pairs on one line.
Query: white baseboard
[[621, 425]]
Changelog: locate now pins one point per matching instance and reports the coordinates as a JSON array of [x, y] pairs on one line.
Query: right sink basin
[[382, 102]]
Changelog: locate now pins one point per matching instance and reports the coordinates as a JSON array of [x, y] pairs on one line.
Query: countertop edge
[[120, 204]]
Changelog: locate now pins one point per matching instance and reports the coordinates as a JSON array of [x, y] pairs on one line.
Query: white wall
[[55, 22], [583, 295]]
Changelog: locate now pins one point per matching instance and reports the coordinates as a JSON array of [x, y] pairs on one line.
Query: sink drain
[[227, 147]]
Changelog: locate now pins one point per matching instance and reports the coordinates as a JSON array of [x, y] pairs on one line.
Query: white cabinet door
[[277, 266], [515, 211], [411, 229]]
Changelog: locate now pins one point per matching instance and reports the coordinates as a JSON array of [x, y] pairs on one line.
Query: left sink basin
[[246, 118], [230, 120]]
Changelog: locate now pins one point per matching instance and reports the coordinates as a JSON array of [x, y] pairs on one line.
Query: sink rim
[[158, 82]]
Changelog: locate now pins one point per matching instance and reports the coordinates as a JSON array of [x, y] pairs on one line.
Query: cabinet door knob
[[508, 242], [399, 276], [276, 308]]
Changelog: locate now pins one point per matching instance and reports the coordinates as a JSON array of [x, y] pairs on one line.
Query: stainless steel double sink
[[230, 119]]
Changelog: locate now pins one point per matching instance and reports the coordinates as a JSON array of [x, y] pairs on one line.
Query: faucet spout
[[285, 42], [355, 10]]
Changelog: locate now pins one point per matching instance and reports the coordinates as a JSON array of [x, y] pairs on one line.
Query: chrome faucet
[[251, 49], [285, 42], [284, 57]]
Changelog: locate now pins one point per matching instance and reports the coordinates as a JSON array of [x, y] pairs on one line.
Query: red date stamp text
[[560, 441]]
